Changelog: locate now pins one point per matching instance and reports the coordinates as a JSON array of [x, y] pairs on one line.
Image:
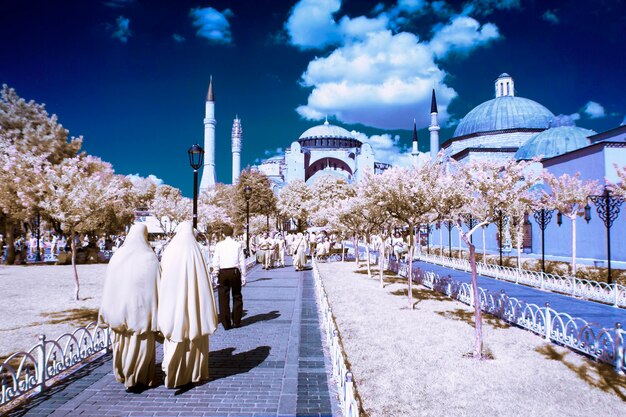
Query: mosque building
[[509, 126]]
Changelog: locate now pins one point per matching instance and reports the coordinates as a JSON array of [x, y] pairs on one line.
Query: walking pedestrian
[[300, 245], [129, 307], [230, 264], [187, 313]]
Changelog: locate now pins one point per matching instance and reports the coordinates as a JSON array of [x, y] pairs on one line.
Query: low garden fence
[[602, 344], [50, 360], [341, 373], [614, 294]]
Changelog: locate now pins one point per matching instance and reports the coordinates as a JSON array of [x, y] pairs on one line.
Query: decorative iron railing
[[602, 344], [32, 370], [602, 292], [341, 372]]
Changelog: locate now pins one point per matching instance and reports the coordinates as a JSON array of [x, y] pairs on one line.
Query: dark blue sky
[[131, 76]]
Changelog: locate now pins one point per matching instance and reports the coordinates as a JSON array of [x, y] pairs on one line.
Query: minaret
[[415, 152], [208, 173], [434, 128], [236, 148]]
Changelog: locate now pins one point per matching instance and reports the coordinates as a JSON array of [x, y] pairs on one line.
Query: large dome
[[505, 112], [555, 141], [326, 131]]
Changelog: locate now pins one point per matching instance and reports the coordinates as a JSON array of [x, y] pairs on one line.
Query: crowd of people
[[270, 248]]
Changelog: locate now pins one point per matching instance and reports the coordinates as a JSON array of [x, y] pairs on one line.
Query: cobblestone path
[[273, 365]]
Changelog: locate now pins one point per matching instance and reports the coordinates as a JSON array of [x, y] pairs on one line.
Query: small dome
[[326, 131], [503, 75], [505, 112], [555, 141]]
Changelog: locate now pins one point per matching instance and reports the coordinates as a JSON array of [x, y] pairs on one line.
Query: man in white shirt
[[230, 264]]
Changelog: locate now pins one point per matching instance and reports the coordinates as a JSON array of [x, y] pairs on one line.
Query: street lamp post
[[607, 206], [196, 156], [38, 254], [247, 192], [543, 218], [268, 218]]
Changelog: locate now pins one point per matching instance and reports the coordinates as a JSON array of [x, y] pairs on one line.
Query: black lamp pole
[[428, 238], [500, 235], [38, 255], [470, 222], [607, 206], [196, 156], [543, 218], [248, 191], [268, 218]]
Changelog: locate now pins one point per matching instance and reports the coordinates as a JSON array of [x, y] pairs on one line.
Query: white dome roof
[[326, 130]]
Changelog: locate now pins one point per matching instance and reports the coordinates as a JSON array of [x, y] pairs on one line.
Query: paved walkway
[[274, 365], [603, 314]]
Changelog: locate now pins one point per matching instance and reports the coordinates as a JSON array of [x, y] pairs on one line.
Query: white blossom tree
[[329, 192], [407, 196], [569, 194], [170, 208], [31, 141], [293, 202], [482, 189], [81, 191]]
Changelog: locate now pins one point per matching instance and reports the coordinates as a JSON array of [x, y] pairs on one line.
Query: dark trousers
[[230, 279]]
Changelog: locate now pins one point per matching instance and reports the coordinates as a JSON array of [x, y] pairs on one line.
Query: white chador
[[187, 313], [129, 307]]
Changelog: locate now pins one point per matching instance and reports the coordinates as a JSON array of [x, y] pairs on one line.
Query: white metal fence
[[341, 373], [614, 294], [27, 371], [602, 344]]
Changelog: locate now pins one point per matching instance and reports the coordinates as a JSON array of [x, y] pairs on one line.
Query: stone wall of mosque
[[500, 140]]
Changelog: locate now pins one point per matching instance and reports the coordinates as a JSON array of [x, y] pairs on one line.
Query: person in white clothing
[[230, 264]]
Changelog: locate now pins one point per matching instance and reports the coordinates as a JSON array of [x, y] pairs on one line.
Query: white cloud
[[623, 121], [384, 81], [387, 149], [178, 38], [121, 30], [461, 35], [212, 24], [375, 76], [550, 16], [485, 7], [311, 25], [575, 116], [134, 178], [593, 110]]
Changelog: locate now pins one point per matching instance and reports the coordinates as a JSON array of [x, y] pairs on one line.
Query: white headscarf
[[187, 305], [129, 298]]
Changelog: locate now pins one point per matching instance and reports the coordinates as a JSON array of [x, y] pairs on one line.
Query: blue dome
[[506, 112], [555, 141]]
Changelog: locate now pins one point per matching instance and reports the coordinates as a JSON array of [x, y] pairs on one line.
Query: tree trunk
[[10, 242], [484, 249], [76, 283], [441, 239], [367, 258], [356, 249], [381, 264], [520, 241], [478, 315], [574, 246], [343, 252], [410, 266]]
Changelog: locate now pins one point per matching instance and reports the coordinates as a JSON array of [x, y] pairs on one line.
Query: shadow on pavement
[[260, 317], [222, 363]]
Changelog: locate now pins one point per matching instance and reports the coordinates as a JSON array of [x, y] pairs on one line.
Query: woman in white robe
[[129, 308], [300, 245], [187, 312]]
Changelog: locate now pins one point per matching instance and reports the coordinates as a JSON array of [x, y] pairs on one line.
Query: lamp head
[[196, 156]]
